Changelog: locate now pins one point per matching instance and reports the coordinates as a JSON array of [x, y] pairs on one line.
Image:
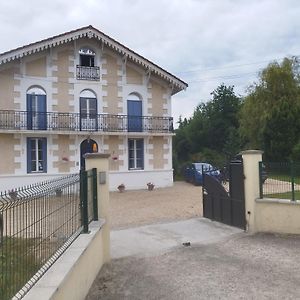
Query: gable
[[102, 40], [36, 67], [133, 76]]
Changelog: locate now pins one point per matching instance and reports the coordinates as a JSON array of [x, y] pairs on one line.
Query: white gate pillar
[[251, 159], [100, 162]]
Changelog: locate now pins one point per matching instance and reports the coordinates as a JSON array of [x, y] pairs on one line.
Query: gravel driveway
[[262, 266], [140, 207]]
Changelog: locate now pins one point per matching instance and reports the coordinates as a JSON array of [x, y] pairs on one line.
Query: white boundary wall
[[266, 215], [132, 180]]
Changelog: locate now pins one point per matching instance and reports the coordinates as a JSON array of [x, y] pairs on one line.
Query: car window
[[207, 167]]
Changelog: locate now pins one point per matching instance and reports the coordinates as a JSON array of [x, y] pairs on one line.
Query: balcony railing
[[87, 73], [25, 120]]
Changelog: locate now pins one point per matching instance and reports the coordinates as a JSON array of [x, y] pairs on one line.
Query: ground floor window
[[136, 154], [36, 155]]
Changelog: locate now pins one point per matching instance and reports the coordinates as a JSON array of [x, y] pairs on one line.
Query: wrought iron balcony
[[26, 120], [87, 73]]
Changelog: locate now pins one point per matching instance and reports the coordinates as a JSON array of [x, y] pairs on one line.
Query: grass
[[18, 263], [286, 195], [284, 177]]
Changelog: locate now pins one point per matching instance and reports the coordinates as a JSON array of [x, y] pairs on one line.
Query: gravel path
[[262, 266], [135, 208]]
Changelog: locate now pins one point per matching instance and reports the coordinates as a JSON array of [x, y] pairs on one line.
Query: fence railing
[[58, 121], [280, 180], [38, 223], [87, 73]]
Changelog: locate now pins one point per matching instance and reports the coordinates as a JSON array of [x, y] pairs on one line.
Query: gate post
[[251, 159], [100, 162]]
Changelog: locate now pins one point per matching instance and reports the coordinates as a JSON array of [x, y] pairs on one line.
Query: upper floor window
[[36, 107], [86, 70], [88, 110], [134, 113], [87, 57]]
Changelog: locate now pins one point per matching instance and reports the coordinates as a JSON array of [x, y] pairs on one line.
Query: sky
[[203, 42]]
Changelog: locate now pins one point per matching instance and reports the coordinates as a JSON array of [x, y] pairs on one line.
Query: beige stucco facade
[[63, 153], [112, 86], [114, 147], [157, 101], [7, 88], [159, 152], [133, 76], [61, 84], [53, 70], [8, 145], [36, 67]]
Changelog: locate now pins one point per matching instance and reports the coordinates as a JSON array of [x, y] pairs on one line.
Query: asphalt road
[[262, 266]]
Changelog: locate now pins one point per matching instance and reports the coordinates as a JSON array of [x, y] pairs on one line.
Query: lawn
[[284, 177], [18, 263], [286, 195]]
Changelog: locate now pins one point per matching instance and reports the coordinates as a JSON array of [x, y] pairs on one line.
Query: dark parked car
[[193, 172], [238, 158]]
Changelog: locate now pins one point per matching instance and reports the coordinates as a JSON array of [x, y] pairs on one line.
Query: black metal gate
[[222, 206]]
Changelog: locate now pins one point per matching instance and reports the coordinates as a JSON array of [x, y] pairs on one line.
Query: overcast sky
[[204, 42]]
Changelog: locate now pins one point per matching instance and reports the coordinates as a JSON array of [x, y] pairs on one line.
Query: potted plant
[[121, 188], [150, 186]]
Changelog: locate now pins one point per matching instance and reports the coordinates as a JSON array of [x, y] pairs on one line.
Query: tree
[[269, 117], [281, 132], [212, 132]]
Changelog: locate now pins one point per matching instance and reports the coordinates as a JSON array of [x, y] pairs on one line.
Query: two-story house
[[79, 92]]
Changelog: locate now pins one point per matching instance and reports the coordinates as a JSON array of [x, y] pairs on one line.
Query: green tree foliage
[[270, 115], [212, 133]]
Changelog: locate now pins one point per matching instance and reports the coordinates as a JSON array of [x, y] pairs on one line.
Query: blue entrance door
[[134, 112], [36, 112]]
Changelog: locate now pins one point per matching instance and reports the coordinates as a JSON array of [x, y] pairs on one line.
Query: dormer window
[[86, 70], [87, 57]]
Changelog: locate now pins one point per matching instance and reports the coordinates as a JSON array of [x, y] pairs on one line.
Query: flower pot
[[150, 186], [121, 188]]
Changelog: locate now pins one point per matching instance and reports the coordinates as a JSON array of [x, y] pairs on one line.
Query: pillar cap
[[96, 155], [250, 152]]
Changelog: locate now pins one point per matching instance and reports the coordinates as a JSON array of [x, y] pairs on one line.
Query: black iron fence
[[26, 120], [38, 223], [280, 180], [88, 195]]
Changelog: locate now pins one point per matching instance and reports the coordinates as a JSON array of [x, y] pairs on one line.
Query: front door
[[88, 114], [134, 112], [87, 146], [36, 112]]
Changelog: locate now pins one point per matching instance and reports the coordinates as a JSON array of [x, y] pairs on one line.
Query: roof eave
[[91, 32]]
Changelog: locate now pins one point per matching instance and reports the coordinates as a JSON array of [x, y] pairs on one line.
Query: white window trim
[[135, 155]]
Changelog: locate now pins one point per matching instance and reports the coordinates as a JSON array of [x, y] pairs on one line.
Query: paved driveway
[[232, 266], [155, 238]]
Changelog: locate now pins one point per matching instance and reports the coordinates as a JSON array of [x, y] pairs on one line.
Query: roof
[[91, 32]]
